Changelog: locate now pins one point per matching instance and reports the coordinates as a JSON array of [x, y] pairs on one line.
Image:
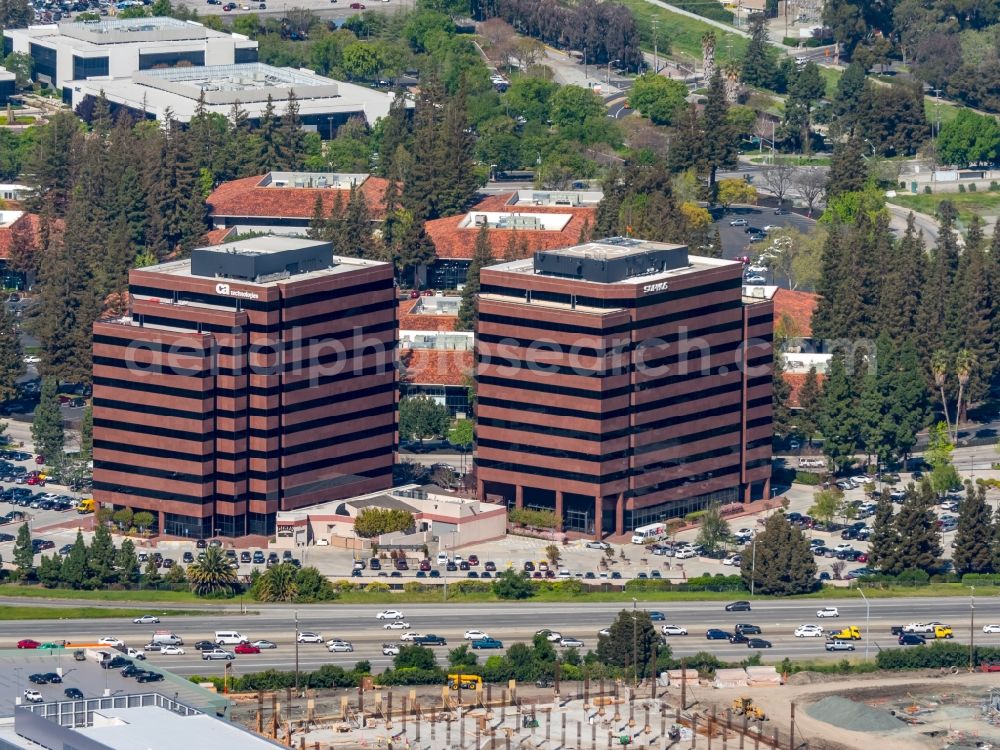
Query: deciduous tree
[[422, 418]]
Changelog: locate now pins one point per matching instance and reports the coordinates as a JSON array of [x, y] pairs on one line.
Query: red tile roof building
[[283, 202], [532, 220], [798, 307]]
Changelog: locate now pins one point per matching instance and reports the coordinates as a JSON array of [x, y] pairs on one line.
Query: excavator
[[746, 707]]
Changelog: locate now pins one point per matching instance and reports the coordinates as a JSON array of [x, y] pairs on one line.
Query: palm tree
[[212, 574], [708, 55], [277, 584], [939, 368], [965, 362]]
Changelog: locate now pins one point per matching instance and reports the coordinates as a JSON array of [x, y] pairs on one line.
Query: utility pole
[[753, 567], [635, 648], [868, 632], [296, 652]]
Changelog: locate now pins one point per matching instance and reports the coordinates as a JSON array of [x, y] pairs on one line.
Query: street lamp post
[[753, 566], [610, 63], [635, 647], [867, 620], [296, 652], [972, 626]]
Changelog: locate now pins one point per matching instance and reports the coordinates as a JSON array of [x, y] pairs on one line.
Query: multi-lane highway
[[512, 623]]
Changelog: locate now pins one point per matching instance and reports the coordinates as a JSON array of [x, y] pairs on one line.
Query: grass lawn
[[830, 76], [75, 613], [934, 109], [798, 161], [982, 203], [103, 595], [682, 33]]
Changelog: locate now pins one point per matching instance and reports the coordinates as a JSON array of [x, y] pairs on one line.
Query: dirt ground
[[948, 707]]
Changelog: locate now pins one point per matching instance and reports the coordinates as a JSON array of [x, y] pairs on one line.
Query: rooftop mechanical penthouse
[[621, 382], [256, 376]]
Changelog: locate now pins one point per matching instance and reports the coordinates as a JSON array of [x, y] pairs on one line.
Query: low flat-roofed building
[[284, 202], [116, 47], [324, 104], [519, 224], [438, 515], [125, 722]]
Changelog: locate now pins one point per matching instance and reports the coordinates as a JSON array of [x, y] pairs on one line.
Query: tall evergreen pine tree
[[482, 255], [974, 536]]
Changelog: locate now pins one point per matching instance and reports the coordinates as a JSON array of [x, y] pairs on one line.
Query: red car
[[28, 643], [473, 559], [246, 648], [862, 557], [35, 481], [357, 6], [39, 460]]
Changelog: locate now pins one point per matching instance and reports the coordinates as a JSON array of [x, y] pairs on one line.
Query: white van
[[166, 638], [229, 637], [442, 558]]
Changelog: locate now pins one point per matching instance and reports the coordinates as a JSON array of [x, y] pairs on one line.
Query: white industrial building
[[112, 47], [324, 104]]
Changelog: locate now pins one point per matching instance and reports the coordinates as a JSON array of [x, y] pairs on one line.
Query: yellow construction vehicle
[[746, 707], [467, 681], [849, 633]]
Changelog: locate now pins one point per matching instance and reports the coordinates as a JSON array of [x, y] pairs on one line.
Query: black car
[[37, 679], [258, 557], [244, 556], [451, 567], [149, 677], [435, 574], [201, 544], [73, 693], [116, 663], [748, 629], [430, 640], [356, 573], [738, 607], [714, 634], [374, 564], [187, 557], [204, 646], [758, 643], [130, 670], [738, 637], [911, 639]]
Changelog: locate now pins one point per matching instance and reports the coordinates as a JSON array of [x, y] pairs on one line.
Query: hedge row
[[938, 654]]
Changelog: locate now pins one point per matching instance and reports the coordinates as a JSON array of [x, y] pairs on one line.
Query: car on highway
[[73, 693], [673, 630], [50, 645], [389, 614], [839, 645], [390, 649], [911, 639], [550, 635], [397, 625], [151, 646], [430, 640], [246, 648], [146, 620], [808, 631], [738, 637], [110, 640], [172, 651], [570, 642], [218, 653], [263, 643], [205, 645], [828, 612], [993, 628], [339, 647], [758, 643], [597, 545], [307, 636], [739, 223], [487, 642], [474, 635], [657, 616], [28, 643], [715, 634], [747, 629], [741, 606]]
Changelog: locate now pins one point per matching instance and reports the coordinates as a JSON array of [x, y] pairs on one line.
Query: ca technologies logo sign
[[226, 290]]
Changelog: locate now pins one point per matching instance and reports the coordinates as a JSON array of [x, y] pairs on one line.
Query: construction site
[[939, 711]]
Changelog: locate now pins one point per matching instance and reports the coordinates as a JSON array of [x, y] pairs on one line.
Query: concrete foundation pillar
[[598, 517], [559, 509], [519, 497], [620, 514]]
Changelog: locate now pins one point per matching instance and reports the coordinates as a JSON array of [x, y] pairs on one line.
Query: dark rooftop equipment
[[256, 261], [610, 261]]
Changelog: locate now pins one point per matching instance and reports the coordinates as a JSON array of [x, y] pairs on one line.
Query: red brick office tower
[[254, 377], [620, 383]]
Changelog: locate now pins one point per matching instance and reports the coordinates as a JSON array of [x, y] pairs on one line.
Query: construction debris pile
[[853, 716]]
